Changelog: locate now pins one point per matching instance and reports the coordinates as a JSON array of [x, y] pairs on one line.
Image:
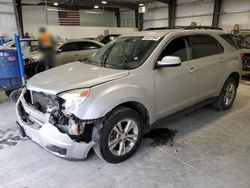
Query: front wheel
[[119, 136], [227, 95]]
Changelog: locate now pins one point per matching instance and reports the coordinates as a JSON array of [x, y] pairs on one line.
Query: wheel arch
[[236, 76], [138, 107]]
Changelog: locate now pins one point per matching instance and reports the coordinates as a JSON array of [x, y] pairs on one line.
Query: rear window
[[204, 45], [230, 40]]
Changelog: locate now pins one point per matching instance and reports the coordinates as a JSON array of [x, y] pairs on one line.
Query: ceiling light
[[96, 6], [55, 4], [104, 2], [141, 4]]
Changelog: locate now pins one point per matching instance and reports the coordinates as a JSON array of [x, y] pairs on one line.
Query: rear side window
[[204, 45], [88, 46], [72, 46], [230, 40]]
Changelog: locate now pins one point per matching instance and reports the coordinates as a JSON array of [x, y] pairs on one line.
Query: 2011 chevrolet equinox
[[110, 100]]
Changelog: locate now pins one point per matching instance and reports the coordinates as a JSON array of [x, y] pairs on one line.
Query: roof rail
[[162, 28], [202, 27], [184, 27]]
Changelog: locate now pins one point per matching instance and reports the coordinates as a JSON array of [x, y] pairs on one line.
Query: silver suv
[[110, 100]]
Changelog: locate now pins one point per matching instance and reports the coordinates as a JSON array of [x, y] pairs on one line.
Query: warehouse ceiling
[[90, 3]]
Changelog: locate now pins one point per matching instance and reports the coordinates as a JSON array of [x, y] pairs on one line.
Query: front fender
[[103, 99]]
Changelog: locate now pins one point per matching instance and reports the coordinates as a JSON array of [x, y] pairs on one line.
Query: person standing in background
[[46, 46]]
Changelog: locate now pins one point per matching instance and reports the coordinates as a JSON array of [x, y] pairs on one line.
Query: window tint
[[178, 47], [203, 45], [88, 46], [69, 47], [230, 40]]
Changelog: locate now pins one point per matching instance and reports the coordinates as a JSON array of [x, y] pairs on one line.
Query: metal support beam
[[118, 18], [172, 12], [139, 20], [216, 13], [19, 17]]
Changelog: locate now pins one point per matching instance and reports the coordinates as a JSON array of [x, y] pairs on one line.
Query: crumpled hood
[[72, 76]]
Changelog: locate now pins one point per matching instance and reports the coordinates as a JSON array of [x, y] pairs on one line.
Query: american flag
[[69, 17]]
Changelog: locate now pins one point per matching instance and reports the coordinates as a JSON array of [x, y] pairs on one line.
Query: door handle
[[222, 60], [192, 70]]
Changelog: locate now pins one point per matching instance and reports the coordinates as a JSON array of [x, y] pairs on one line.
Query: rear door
[[208, 55]]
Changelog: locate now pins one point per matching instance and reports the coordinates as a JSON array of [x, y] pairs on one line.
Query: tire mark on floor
[[10, 137]]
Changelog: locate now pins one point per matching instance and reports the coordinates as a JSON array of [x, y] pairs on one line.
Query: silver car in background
[[68, 51], [110, 100]]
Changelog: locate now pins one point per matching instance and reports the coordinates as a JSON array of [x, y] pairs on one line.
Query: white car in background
[[28, 46], [69, 51]]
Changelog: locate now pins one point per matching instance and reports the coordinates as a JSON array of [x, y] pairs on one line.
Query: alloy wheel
[[123, 137]]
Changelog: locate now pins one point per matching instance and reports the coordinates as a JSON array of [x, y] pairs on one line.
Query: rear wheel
[[227, 95], [14, 95], [119, 136]]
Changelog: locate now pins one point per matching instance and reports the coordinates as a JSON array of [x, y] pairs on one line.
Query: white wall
[[235, 12], [156, 15], [8, 24], [187, 11], [86, 32], [128, 18], [34, 17], [200, 11]]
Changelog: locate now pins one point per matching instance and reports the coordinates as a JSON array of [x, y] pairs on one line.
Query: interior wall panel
[[235, 12], [8, 24], [34, 18]]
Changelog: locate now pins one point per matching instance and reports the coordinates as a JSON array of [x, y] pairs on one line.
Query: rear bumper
[[47, 135]]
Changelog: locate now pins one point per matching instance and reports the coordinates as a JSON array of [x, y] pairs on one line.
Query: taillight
[[242, 56]]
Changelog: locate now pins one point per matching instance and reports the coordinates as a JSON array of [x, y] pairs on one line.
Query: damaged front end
[[48, 121]]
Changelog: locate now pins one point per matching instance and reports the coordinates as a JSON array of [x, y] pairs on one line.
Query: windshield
[[125, 52]]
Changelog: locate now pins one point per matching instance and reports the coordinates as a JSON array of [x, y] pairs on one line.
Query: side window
[[72, 46], [178, 47], [88, 46], [204, 45], [229, 39]]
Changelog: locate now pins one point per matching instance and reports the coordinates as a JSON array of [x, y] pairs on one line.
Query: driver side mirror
[[169, 61]]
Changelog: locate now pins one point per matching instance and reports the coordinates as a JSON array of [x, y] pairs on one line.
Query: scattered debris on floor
[[161, 136], [9, 137]]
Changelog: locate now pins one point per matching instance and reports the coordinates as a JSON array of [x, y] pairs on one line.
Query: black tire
[[220, 103], [103, 131], [14, 95], [7, 93], [39, 68]]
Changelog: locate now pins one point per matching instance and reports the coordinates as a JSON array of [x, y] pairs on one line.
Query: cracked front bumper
[[47, 135]]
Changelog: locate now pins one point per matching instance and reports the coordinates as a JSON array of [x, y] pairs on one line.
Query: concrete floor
[[211, 149]]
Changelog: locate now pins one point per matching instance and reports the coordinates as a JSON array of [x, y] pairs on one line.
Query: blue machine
[[2, 41], [11, 68], [10, 75]]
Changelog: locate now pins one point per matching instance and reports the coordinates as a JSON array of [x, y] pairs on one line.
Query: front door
[[175, 87]]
